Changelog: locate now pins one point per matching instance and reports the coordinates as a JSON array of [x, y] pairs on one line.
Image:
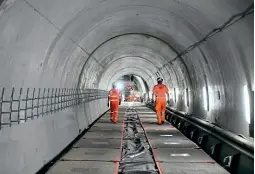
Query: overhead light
[[180, 154], [247, 104]]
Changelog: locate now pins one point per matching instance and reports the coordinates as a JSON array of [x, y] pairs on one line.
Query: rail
[[20, 105], [234, 153]]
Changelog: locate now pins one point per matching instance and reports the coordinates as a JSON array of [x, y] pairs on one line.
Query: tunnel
[[59, 58]]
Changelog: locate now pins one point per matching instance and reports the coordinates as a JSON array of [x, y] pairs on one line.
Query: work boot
[[163, 118], [114, 120], [159, 120]]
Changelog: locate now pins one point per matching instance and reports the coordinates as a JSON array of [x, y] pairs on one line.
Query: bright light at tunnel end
[[247, 104], [119, 86]]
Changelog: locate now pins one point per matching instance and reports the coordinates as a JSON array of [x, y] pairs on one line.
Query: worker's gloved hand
[[120, 103]]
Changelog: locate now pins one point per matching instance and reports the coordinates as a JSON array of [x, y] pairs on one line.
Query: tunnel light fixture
[[247, 104], [180, 154], [218, 95], [150, 95], [171, 143], [205, 98], [176, 94], [166, 135], [187, 97]]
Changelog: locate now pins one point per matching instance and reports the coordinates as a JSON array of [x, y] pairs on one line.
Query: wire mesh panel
[[19, 105]]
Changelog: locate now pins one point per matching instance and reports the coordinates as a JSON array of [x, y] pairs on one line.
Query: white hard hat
[[159, 79]]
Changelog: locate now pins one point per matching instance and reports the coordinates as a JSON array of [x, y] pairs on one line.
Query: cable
[[234, 19]]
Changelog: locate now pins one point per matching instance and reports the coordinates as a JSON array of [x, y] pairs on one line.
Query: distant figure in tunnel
[[159, 97], [114, 98]]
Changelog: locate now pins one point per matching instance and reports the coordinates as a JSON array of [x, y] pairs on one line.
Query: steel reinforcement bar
[[20, 105]]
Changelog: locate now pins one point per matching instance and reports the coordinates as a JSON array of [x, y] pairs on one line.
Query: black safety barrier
[[20, 105], [233, 152]]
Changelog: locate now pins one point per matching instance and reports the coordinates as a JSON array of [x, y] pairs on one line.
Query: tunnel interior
[[91, 44], [131, 85]]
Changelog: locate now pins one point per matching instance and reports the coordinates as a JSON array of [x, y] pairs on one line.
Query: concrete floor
[[99, 150]]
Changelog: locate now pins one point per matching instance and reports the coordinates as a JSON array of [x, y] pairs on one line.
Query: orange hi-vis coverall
[[114, 97], [160, 92]]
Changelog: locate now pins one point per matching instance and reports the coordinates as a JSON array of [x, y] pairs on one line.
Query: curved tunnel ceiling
[[127, 51], [54, 44]]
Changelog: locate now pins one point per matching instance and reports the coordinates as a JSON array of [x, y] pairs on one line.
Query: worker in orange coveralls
[[159, 92], [114, 98]]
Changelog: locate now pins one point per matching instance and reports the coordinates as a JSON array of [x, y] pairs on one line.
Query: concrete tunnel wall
[[25, 148], [89, 43]]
